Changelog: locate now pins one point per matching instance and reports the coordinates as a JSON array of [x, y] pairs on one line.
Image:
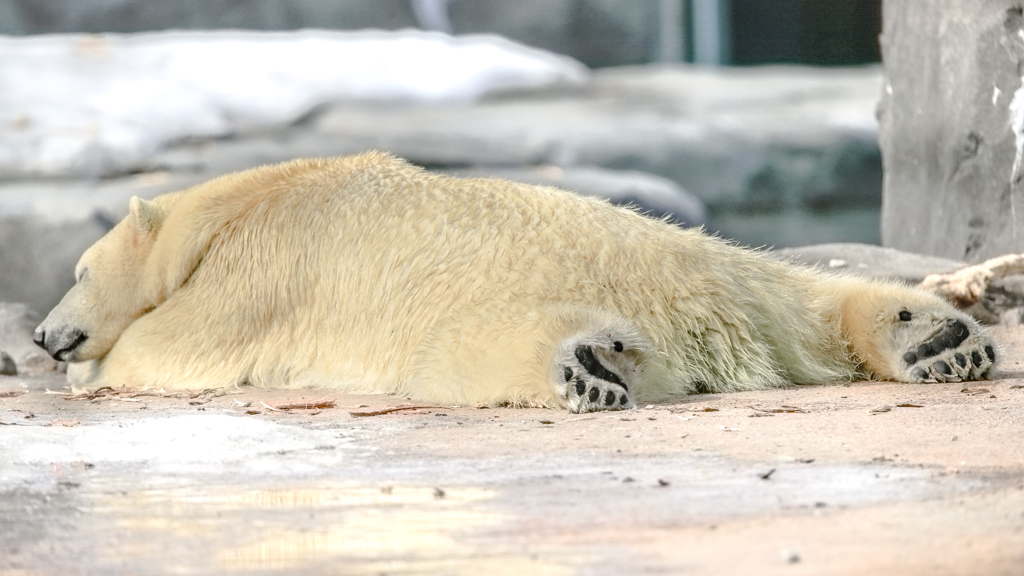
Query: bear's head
[[118, 279]]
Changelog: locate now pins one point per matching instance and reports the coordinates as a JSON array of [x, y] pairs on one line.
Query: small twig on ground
[[307, 405], [100, 392], [396, 409], [127, 394], [212, 393], [157, 394], [781, 410], [577, 419]]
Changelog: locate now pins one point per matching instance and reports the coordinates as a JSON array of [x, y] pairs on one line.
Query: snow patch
[[89, 105]]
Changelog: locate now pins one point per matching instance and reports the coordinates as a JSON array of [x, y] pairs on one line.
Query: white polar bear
[[367, 274]]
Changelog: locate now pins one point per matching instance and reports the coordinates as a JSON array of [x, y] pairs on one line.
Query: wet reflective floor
[[865, 478]]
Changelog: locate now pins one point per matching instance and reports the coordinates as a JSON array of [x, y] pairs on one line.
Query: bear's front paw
[[953, 354], [589, 385]]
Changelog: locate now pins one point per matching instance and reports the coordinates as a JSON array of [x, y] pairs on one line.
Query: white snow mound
[[91, 105]]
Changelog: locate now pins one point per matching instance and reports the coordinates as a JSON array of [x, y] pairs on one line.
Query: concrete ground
[[864, 478]]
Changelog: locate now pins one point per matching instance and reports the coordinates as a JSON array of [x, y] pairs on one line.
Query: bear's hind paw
[[589, 385], [954, 354]]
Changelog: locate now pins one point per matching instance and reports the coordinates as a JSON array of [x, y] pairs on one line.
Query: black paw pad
[[960, 359], [990, 353], [585, 356], [920, 373], [951, 336], [976, 359], [591, 385], [910, 358], [942, 368]]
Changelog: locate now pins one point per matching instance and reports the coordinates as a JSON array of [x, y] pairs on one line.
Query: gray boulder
[[7, 365], [869, 261], [765, 139], [952, 127], [1002, 301], [45, 226], [37, 258], [17, 323]]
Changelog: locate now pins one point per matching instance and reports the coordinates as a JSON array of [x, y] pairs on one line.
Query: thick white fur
[[367, 274]]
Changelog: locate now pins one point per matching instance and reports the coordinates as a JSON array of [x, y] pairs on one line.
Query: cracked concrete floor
[[865, 478]]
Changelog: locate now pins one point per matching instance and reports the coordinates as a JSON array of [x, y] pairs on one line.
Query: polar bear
[[367, 274]]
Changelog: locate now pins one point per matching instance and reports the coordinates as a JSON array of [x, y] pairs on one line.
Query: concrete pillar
[[952, 127], [671, 31], [710, 31]]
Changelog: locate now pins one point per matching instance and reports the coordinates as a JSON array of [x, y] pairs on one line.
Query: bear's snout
[[61, 344]]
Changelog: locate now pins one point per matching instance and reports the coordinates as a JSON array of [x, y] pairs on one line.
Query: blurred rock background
[[652, 102]]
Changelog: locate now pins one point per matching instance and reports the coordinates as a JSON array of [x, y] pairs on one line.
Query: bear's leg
[[568, 356], [597, 371], [909, 335]]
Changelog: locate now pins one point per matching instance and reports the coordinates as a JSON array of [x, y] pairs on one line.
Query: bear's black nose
[[39, 337]]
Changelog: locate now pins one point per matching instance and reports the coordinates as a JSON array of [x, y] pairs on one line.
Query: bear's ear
[[146, 215]]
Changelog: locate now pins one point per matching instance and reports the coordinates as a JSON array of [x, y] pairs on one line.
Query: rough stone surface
[[999, 300], [7, 365], [952, 128], [45, 226], [17, 323], [767, 139], [780, 156], [870, 261], [37, 257], [1003, 297]]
